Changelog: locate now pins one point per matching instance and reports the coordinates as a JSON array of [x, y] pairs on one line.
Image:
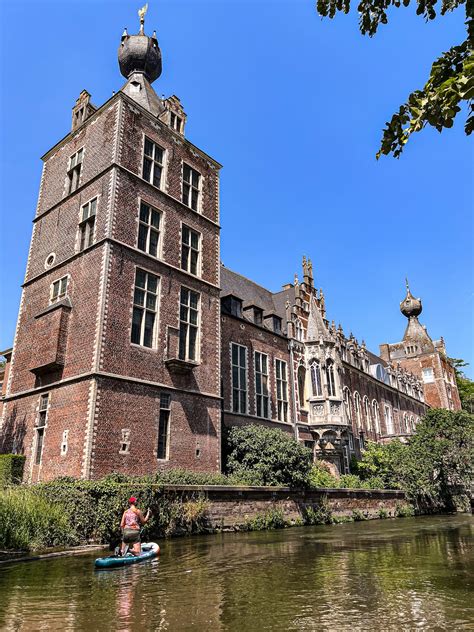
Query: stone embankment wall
[[232, 507]]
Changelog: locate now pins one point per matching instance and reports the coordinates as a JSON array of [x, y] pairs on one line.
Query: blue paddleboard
[[149, 550]]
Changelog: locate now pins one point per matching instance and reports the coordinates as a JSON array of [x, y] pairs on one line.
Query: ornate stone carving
[[335, 408], [318, 410]]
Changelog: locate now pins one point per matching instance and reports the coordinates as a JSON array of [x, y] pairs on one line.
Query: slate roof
[[252, 294]]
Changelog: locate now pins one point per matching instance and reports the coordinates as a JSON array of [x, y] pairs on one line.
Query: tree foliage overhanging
[[451, 80], [464, 384], [435, 468]]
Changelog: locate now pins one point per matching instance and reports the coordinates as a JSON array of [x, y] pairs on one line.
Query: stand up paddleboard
[[149, 550]]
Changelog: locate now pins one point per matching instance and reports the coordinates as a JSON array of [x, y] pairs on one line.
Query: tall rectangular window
[[191, 187], [153, 163], [58, 289], [74, 170], [190, 247], [282, 390], [145, 306], [261, 384], [87, 224], [239, 378], [162, 451], [40, 427], [428, 375], [388, 420], [188, 324], [176, 122], [149, 229]]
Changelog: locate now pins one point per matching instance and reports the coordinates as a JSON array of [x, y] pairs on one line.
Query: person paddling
[[130, 524]]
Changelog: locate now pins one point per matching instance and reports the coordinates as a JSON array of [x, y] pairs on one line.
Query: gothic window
[[41, 423], [149, 229], [87, 224], [191, 187], [145, 308], [190, 250], [153, 163], [299, 331], [261, 385], [162, 449], [74, 170], [330, 378], [316, 382], [357, 409], [388, 419], [368, 420], [375, 410], [282, 390], [239, 378], [302, 385], [188, 324], [406, 422], [347, 404], [59, 289]]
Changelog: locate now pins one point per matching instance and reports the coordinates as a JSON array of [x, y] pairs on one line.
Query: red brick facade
[[106, 374]]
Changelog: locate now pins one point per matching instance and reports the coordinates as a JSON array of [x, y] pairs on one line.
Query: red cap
[[132, 500]]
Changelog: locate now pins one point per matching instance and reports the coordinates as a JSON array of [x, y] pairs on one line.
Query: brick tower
[[424, 357], [116, 359]]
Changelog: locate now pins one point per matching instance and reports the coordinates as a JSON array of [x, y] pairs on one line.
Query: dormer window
[[258, 316], [232, 305], [276, 321], [176, 122]]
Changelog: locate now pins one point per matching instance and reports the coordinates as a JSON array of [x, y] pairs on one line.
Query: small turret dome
[[410, 306], [140, 53]]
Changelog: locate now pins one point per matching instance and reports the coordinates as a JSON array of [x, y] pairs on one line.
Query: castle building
[[134, 345]]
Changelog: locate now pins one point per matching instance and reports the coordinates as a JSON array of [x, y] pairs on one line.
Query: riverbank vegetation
[[434, 468]]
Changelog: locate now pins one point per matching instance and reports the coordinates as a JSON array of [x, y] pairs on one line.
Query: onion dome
[[140, 53], [410, 306]]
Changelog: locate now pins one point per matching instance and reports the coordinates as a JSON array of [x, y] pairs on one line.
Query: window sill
[[176, 365]]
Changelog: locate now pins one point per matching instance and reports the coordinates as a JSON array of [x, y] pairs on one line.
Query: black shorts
[[131, 536]]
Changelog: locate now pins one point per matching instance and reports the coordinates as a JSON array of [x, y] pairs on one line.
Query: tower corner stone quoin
[[135, 346]]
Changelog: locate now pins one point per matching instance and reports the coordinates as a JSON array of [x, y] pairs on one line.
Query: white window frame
[[187, 198], [187, 324], [315, 370], [165, 407], [330, 378], [242, 382], [62, 283], [150, 228], [144, 308], [388, 419], [87, 225], [262, 394], [40, 427], [357, 408], [367, 412], [154, 163], [347, 398], [428, 375], [125, 441], [281, 380], [74, 171], [64, 443], [376, 412], [186, 260]]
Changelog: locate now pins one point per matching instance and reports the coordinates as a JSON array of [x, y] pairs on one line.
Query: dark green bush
[[263, 456], [11, 469], [272, 519]]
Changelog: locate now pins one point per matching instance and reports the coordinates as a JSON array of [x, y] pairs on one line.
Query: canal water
[[404, 574]]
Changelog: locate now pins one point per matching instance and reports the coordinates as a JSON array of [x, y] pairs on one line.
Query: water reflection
[[402, 574]]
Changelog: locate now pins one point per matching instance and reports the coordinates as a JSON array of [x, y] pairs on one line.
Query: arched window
[[406, 422], [316, 379], [301, 385], [347, 404], [330, 378], [388, 419], [368, 420], [357, 409], [299, 331], [375, 410]]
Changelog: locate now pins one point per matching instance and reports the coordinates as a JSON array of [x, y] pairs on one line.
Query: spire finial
[[141, 15], [406, 283]]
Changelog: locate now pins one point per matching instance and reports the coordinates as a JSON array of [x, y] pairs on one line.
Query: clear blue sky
[[293, 107]]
